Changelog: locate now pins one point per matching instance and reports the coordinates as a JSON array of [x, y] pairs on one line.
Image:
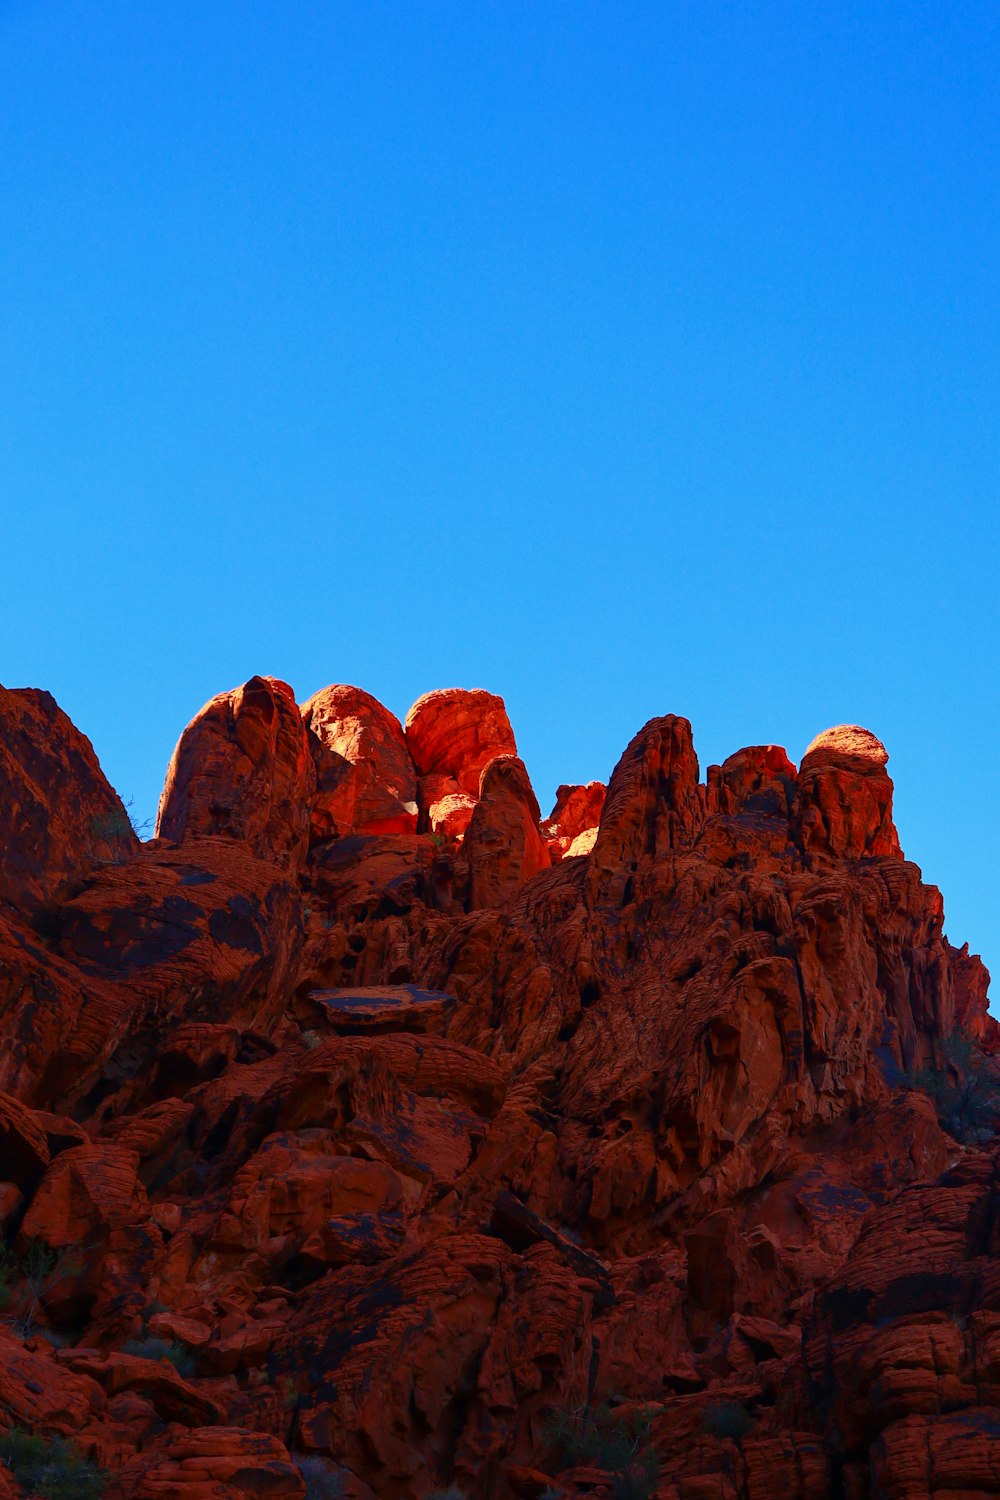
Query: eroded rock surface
[[362, 1130], [242, 769], [574, 819], [59, 818], [365, 779]]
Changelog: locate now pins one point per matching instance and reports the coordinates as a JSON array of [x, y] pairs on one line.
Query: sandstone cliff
[[365, 1133]]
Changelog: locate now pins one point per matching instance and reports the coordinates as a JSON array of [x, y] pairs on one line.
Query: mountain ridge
[[437, 1143]]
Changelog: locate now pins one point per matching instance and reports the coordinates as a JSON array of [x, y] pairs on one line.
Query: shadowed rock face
[[242, 769], [844, 802], [59, 818], [397, 1142], [503, 845]]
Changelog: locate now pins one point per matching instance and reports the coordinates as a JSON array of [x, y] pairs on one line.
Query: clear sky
[[621, 358]]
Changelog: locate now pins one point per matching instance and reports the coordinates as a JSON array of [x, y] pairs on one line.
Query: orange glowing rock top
[[848, 741], [456, 732]]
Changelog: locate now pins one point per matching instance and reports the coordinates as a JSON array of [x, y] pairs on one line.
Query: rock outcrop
[[456, 732], [452, 735], [242, 769], [365, 779], [503, 845], [844, 801], [364, 1134], [571, 827], [59, 818]]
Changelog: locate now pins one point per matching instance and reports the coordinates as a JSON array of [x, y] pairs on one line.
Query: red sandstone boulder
[[24, 1147], [653, 805], [577, 809], [456, 732], [243, 769], [759, 779], [37, 1392], [86, 1191], [844, 802], [156, 1379], [572, 823], [214, 1463], [503, 845], [365, 781], [450, 816], [59, 818]]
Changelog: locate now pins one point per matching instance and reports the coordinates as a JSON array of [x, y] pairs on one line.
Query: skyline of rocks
[[369, 1126]]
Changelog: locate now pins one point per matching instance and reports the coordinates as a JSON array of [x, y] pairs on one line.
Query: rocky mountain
[[364, 1133]]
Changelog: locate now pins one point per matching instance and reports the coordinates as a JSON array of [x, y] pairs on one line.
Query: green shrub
[[119, 824], [38, 1263], [597, 1437], [321, 1481], [29, 1276], [727, 1419], [965, 1092], [51, 1467], [150, 1348]]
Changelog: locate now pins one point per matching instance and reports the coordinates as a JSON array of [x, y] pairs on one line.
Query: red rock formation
[[337, 1154], [844, 804], [456, 732], [449, 816], [503, 845], [59, 818], [242, 768], [758, 779], [577, 808], [654, 804], [575, 816], [365, 781], [905, 1338]]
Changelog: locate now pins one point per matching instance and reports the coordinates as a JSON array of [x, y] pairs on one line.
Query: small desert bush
[[53, 1468], [965, 1092], [321, 1482], [25, 1279], [727, 1419], [150, 1348], [597, 1437]]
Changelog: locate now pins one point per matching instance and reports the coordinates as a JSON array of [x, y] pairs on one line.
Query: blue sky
[[621, 359]]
